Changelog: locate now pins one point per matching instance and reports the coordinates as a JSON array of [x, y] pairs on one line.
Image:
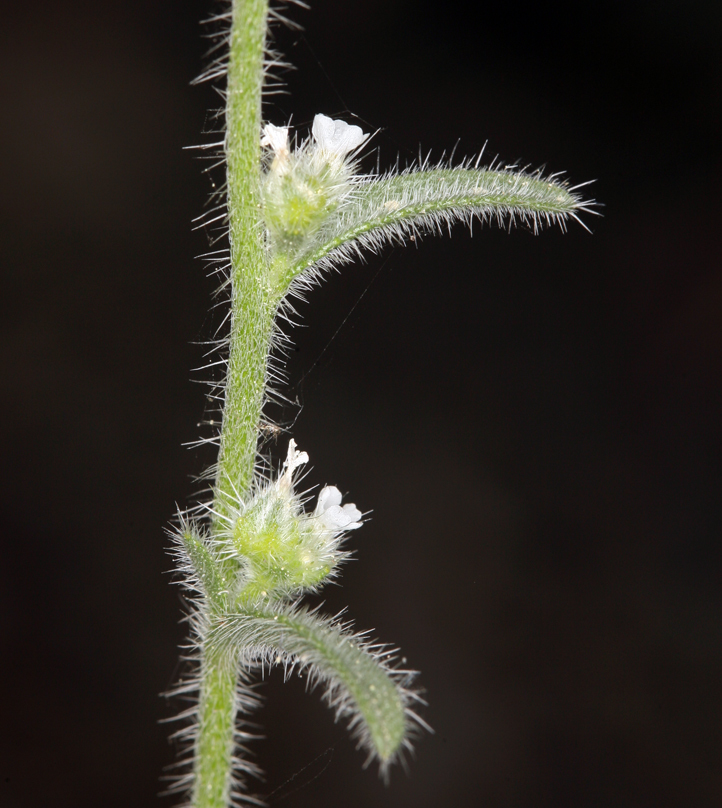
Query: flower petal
[[335, 518], [328, 496], [276, 137], [336, 137], [353, 514]]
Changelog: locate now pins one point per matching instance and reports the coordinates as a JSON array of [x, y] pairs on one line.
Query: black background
[[535, 421]]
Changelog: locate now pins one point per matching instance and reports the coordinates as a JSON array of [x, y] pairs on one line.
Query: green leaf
[[396, 207], [360, 684], [203, 572]]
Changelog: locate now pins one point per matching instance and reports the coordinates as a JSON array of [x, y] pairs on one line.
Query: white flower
[[332, 515], [336, 138], [276, 137], [294, 459]]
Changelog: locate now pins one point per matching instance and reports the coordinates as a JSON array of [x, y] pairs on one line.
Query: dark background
[[535, 421]]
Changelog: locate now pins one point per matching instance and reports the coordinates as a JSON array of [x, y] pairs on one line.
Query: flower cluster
[[285, 550], [303, 186]]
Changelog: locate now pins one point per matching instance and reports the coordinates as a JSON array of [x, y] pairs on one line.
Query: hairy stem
[[216, 720], [249, 344], [252, 308]]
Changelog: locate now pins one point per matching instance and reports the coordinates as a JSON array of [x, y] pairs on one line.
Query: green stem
[[252, 312], [216, 720], [252, 307]]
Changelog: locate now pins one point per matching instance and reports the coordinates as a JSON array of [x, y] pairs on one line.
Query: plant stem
[[216, 721], [252, 309], [251, 329]]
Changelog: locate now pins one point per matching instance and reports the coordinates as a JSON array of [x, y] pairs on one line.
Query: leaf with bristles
[[203, 572], [360, 683], [394, 207]]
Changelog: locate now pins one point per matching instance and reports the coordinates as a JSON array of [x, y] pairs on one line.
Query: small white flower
[[276, 137], [294, 459], [336, 138], [332, 515]]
